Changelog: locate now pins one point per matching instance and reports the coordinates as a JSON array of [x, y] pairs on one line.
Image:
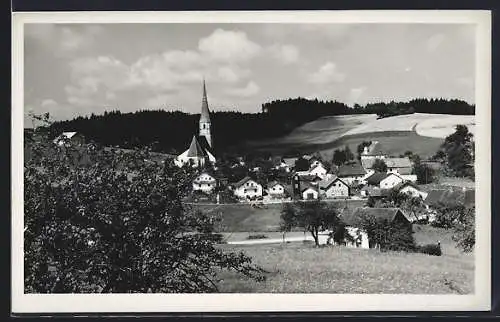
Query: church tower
[[205, 123]]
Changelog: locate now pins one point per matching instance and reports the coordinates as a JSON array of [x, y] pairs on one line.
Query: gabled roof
[[401, 185], [380, 214], [199, 180], [307, 185], [243, 181], [352, 169], [205, 112], [435, 196], [274, 183], [317, 166], [390, 162], [326, 183], [195, 150], [202, 140], [290, 161], [375, 178]]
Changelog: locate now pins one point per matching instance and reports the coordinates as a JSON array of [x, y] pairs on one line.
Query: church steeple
[[205, 123]]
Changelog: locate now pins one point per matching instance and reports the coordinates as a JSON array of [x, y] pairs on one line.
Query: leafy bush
[[116, 224], [430, 249]]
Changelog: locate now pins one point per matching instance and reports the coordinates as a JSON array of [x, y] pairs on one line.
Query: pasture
[[266, 218], [302, 268]]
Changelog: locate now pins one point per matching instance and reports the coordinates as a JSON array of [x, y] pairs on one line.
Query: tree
[[117, 224], [458, 149], [464, 230], [301, 164], [348, 154], [424, 173], [339, 157], [312, 216], [379, 166]]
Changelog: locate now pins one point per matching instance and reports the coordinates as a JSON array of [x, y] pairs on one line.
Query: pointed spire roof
[[205, 112], [195, 149]]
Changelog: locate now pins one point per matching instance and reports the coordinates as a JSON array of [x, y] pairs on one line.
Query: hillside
[[419, 132]]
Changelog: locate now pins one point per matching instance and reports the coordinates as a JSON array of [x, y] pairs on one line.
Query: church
[[200, 151]]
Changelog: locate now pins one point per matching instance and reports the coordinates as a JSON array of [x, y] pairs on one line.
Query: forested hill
[[171, 132]]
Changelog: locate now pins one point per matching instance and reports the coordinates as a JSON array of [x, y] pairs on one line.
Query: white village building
[[205, 183], [247, 188]]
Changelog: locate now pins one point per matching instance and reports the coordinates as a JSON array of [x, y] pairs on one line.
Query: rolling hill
[[420, 133]]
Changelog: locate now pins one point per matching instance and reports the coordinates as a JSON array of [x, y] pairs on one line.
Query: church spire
[[205, 112]]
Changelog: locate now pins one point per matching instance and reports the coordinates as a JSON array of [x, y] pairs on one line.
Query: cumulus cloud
[[64, 39], [229, 46], [286, 53], [249, 90], [327, 73]]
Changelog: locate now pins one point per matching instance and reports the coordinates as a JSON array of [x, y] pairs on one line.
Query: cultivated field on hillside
[[433, 125], [321, 131], [302, 268], [421, 133]]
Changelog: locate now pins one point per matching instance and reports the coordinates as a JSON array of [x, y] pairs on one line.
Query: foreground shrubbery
[[108, 221]]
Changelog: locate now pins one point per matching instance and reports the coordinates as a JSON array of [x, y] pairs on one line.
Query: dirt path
[[271, 240]]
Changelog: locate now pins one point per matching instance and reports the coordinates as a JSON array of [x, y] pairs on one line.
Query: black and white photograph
[[316, 156]]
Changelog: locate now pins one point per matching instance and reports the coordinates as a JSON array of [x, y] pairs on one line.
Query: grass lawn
[[302, 268], [244, 218]]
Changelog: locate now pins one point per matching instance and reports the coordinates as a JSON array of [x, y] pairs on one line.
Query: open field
[[433, 125], [421, 133], [302, 268], [244, 218]]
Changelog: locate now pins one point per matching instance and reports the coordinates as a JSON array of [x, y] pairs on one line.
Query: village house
[[318, 169], [399, 166], [275, 190], [69, 139], [351, 173], [374, 192], [410, 189], [333, 187], [309, 191], [204, 183], [384, 180], [247, 188], [394, 216], [301, 180]]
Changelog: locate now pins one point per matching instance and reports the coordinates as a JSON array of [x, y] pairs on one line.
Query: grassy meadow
[[302, 268]]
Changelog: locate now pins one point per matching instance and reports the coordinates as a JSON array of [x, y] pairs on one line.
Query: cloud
[[48, 103], [288, 54], [326, 74], [250, 89], [434, 42], [226, 46], [63, 39]]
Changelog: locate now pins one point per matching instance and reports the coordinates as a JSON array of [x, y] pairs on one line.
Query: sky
[[79, 69]]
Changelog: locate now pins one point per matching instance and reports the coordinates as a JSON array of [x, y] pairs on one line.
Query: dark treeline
[[171, 132], [301, 108]]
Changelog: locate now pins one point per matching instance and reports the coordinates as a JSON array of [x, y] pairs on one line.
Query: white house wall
[[390, 182]]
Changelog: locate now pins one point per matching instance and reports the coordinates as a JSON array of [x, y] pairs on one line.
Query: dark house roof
[[351, 170], [309, 178], [376, 192], [375, 178], [401, 185], [436, 196], [380, 214], [242, 182], [325, 184], [306, 186], [274, 183], [204, 144]]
